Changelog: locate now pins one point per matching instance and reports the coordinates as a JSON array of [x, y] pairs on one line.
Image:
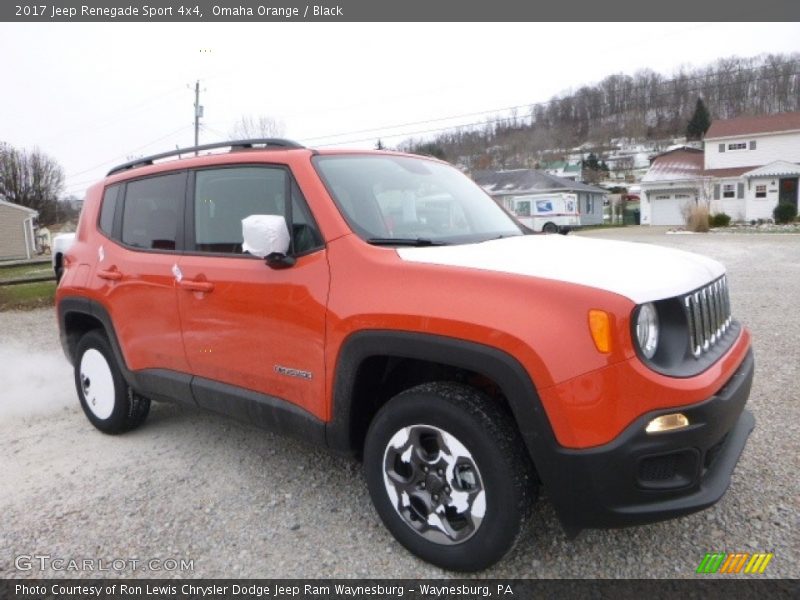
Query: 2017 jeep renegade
[[384, 306]]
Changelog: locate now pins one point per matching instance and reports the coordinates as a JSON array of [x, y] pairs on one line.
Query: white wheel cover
[[97, 383]]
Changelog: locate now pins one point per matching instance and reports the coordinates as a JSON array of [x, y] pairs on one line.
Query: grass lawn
[[25, 271], [27, 296]]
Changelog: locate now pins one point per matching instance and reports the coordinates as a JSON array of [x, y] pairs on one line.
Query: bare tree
[[31, 179], [250, 127]]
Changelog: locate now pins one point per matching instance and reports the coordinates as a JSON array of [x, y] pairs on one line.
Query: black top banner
[[398, 10]]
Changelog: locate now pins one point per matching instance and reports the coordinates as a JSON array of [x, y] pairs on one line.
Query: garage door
[[666, 209]]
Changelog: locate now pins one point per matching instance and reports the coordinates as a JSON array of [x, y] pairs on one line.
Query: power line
[[544, 104], [531, 106], [80, 184], [116, 117]]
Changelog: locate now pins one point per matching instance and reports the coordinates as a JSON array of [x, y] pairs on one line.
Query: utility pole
[[198, 112]]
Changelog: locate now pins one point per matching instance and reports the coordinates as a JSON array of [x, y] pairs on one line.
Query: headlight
[[647, 329]]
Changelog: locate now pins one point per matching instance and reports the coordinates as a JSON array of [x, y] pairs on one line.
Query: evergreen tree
[[699, 123], [379, 145]]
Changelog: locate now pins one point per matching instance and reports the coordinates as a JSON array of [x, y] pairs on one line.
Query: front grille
[[708, 311]]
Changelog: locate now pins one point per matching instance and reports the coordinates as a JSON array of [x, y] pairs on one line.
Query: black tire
[[111, 406], [504, 474], [550, 228]]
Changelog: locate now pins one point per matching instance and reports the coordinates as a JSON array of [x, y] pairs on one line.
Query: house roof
[[680, 163], [729, 172], [525, 181], [553, 164], [778, 168], [788, 121], [19, 206]]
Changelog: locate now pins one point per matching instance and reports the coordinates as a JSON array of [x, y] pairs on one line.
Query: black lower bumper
[[641, 478]]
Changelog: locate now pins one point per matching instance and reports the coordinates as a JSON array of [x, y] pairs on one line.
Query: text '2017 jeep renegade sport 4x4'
[[383, 305]]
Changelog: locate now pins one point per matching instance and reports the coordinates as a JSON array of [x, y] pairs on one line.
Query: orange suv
[[384, 306]]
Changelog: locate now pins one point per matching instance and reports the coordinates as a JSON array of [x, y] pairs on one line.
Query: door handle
[[196, 286], [110, 274]]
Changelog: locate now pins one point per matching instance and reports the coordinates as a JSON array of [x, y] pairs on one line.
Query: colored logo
[[738, 562]]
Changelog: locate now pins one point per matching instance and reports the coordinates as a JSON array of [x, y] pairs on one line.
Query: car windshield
[[391, 200]]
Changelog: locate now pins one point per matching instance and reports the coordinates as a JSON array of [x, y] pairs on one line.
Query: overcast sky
[[92, 95]]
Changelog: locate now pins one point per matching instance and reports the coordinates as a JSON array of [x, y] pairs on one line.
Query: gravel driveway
[[241, 502]]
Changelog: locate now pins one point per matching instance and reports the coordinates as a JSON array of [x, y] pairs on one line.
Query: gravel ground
[[241, 502]]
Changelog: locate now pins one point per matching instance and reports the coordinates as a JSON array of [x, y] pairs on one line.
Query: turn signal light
[[600, 326], [667, 423]]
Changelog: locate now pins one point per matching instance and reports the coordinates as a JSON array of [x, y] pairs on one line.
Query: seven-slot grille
[[708, 311]]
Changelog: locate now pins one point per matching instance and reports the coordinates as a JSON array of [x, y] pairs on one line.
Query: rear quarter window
[[108, 209]]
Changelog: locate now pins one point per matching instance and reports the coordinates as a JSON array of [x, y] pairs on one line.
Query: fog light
[[667, 423]]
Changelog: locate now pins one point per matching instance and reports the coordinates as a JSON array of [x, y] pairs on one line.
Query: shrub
[[696, 216], [785, 212], [720, 220]]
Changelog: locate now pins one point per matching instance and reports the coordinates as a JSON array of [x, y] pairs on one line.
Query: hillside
[[646, 109]]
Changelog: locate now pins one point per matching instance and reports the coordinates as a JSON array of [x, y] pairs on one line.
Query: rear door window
[[152, 210]]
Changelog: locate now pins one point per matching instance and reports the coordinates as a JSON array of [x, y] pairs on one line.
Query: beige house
[[17, 224]]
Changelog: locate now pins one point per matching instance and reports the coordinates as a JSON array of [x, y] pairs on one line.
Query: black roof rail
[[234, 146]]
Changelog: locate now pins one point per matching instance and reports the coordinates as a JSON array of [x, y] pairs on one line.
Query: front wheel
[[448, 475], [550, 228], [107, 400]]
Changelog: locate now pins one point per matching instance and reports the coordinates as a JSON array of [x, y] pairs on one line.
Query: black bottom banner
[[362, 589]]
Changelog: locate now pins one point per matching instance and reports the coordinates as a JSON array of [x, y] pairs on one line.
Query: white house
[[505, 186], [749, 164]]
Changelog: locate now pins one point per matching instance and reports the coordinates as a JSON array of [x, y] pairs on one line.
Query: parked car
[[384, 306], [61, 243]]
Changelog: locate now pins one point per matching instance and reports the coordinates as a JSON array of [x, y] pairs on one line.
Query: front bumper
[[641, 478]]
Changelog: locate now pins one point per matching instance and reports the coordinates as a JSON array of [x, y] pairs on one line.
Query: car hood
[[640, 272]]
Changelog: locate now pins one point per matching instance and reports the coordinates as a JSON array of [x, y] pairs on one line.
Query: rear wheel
[[448, 475], [550, 228], [107, 400]]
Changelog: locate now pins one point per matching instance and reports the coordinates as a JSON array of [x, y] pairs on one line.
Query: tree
[[379, 145], [430, 149], [699, 123], [31, 179], [251, 128], [593, 170]]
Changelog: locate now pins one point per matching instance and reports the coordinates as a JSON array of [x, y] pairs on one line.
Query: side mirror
[[278, 260], [267, 236]]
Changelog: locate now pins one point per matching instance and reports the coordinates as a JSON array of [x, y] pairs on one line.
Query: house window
[[589, 203], [729, 190], [682, 196], [737, 146], [663, 197], [761, 191], [752, 144]]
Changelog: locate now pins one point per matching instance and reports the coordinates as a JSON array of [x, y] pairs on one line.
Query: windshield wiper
[[404, 242]]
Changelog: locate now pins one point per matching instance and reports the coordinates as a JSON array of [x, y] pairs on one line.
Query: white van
[[550, 213]]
